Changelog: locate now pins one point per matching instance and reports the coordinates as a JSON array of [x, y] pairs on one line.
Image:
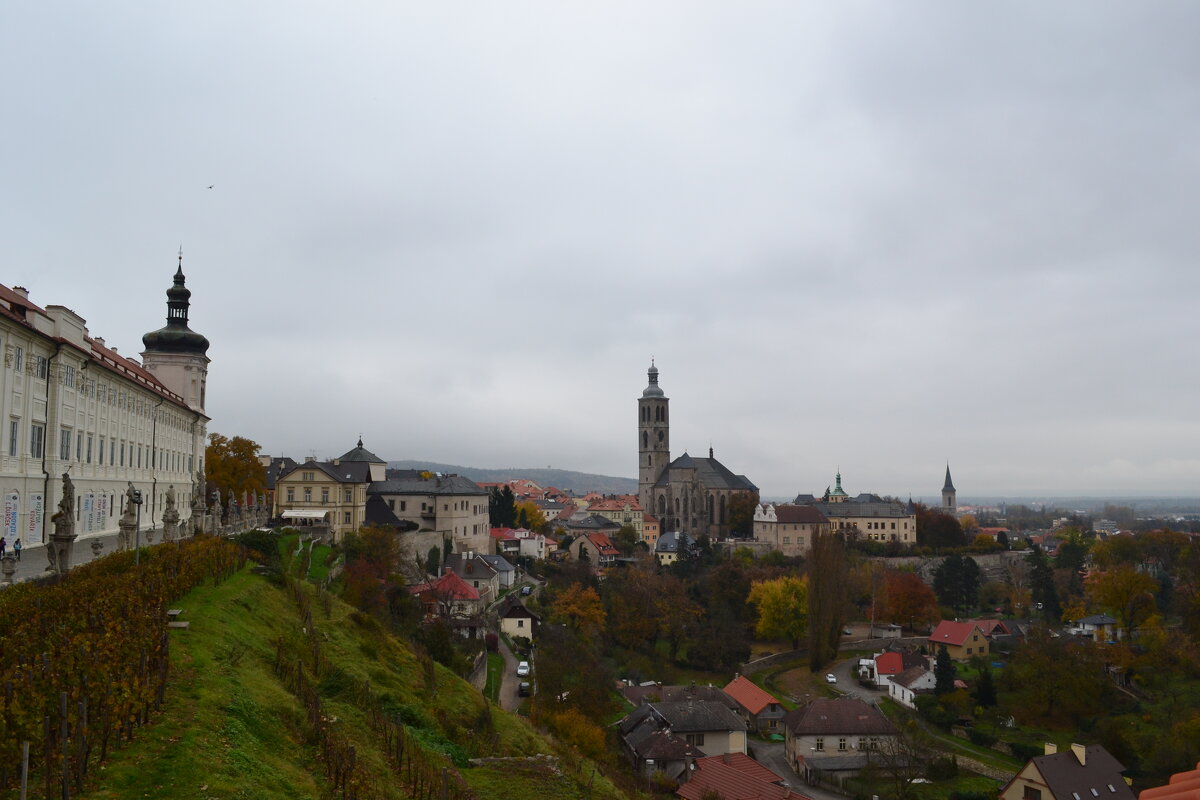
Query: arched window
[[686, 510], [649, 460], [709, 505], [662, 505], [645, 440], [721, 505]]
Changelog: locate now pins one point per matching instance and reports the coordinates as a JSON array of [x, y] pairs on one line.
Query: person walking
[[17, 548], [3, 546]]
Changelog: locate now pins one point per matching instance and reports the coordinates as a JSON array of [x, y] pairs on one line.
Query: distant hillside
[[565, 479]]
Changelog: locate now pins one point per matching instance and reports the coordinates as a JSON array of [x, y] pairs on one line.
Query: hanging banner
[[12, 513], [37, 505], [88, 506], [100, 512]]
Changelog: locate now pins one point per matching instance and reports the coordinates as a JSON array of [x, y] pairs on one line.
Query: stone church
[[690, 494]]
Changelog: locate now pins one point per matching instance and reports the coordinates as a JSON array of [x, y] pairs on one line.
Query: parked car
[[526, 590], [829, 678], [523, 689], [523, 669]]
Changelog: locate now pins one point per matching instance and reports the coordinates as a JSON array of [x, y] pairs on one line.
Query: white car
[[523, 669], [830, 678]]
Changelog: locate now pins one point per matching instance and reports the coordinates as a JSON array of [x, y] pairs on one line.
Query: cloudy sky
[[874, 236]]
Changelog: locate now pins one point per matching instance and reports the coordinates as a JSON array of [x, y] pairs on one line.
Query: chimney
[[1080, 752], [309, 459], [99, 340], [1051, 748], [21, 290]]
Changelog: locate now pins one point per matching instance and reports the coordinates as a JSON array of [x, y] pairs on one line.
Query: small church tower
[[949, 496], [176, 355], [654, 439]]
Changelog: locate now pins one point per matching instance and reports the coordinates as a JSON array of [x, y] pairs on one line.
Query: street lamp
[[137, 552]]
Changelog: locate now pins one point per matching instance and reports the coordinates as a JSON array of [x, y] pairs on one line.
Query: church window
[[662, 502], [709, 505], [645, 439], [660, 436], [721, 504]]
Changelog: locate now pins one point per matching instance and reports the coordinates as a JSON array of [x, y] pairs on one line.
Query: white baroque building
[[71, 403]]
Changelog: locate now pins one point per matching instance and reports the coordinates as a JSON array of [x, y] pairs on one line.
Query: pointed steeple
[[949, 485]]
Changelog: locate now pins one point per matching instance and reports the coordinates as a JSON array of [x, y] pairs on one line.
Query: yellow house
[[330, 494]]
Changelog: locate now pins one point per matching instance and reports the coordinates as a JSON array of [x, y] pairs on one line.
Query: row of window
[[138, 455], [347, 495], [843, 743]]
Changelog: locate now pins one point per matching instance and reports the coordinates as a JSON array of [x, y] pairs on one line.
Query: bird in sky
[[211, 185]]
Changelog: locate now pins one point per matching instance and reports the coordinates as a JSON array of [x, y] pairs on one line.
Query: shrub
[[981, 737], [942, 769]]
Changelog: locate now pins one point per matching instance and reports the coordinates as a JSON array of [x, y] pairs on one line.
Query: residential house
[[476, 573], [651, 530], [891, 663], [710, 727], [671, 547], [516, 619], [652, 692], [533, 545], [505, 541], [586, 522], [833, 737], [905, 687], [596, 549], [442, 506], [448, 596], [962, 639], [735, 776], [505, 572], [1081, 773], [621, 509], [1101, 627], [761, 711]]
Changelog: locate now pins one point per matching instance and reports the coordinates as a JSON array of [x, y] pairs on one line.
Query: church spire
[[949, 485]]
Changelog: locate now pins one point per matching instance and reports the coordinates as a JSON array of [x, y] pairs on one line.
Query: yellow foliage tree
[[581, 608], [782, 605]]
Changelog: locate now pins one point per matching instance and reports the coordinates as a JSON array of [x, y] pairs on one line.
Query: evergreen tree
[[943, 671], [985, 689], [502, 507], [1041, 585]]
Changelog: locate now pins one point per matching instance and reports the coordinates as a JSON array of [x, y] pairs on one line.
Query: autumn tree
[[231, 465], [631, 608], [1043, 592], [782, 606], [1115, 550], [530, 516], [828, 570], [909, 599], [677, 613], [581, 608], [1053, 679], [1125, 593]]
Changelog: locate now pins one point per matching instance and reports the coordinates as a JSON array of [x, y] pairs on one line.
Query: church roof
[[712, 474], [949, 485], [176, 336]]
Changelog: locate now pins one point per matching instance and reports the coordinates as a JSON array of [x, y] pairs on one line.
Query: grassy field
[[495, 676], [230, 729]]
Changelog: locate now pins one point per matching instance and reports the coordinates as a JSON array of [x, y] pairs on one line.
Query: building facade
[[790, 529], [866, 516], [688, 494], [73, 404]]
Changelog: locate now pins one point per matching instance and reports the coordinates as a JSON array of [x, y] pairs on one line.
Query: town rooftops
[[748, 695], [910, 676]]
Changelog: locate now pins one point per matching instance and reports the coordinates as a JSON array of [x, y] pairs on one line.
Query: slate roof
[[378, 513], [910, 676], [351, 472], [711, 473], [638, 694], [698, 716], [1098, 619], [360, 453], [846, 715], [858, 507], [748, 695], [735, 776], [669, 542], [409, 481], [1098, 777], [592, 522], [498, 563]]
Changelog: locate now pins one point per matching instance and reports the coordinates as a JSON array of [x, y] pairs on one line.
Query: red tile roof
[[890, 663], [447, 587], [1181, 786], [748, 695], [735, 776], [952, 633]]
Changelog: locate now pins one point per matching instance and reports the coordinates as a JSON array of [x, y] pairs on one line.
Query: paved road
[[34, 563], [772, 756]]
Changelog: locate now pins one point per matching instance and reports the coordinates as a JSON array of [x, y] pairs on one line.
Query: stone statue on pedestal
[[170, 516], [58, 552]]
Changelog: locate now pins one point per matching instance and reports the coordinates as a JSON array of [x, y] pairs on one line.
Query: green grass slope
[[230, 727]]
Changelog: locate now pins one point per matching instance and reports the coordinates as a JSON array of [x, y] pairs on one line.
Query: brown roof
[[846, 715], [791, 513], [1098, 775], [952, 633], [748, 695]]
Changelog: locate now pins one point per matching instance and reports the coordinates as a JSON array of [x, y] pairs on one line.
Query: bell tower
[[949, 496], [654, 439], [175, 354]]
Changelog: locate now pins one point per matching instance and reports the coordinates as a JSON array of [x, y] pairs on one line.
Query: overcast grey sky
[[868, 235]]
